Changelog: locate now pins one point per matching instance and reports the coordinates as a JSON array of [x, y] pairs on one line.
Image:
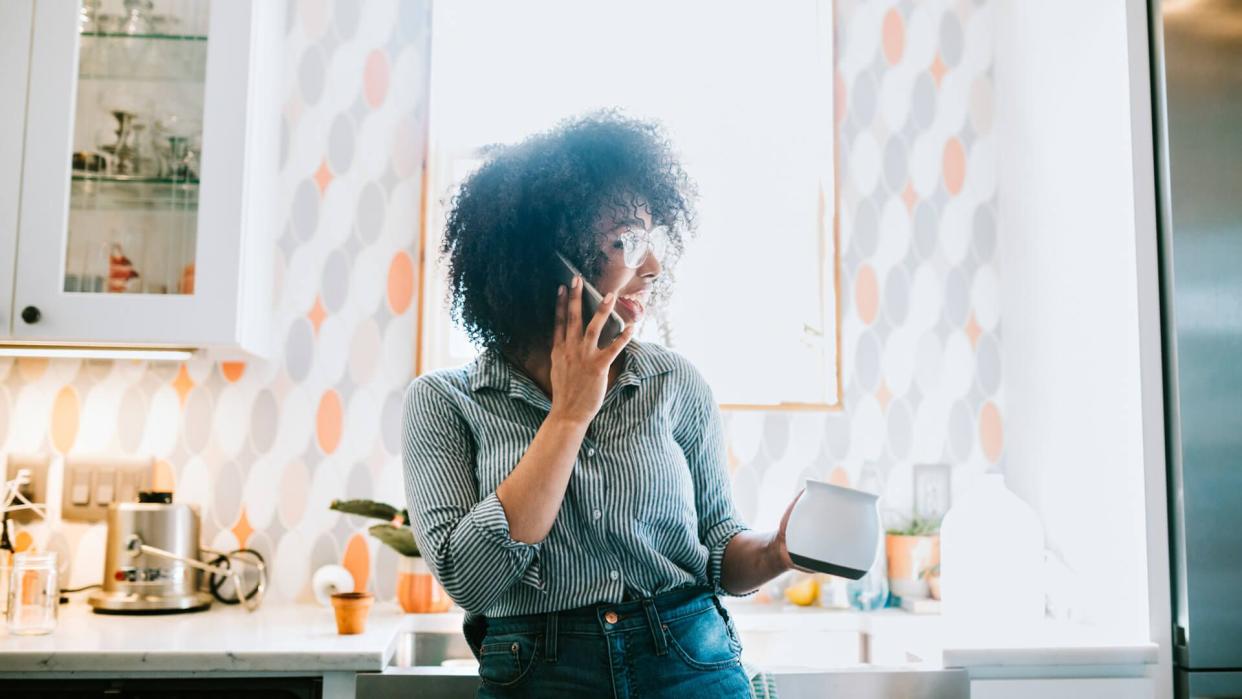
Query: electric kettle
[[834, 530], [153, 562]]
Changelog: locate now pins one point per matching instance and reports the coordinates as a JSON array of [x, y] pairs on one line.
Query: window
[[745, 91]]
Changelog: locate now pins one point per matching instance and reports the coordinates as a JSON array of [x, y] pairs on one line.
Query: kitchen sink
[[437, 664]]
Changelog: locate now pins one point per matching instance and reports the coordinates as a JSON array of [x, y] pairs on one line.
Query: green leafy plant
[[394, 531], [918, 526]]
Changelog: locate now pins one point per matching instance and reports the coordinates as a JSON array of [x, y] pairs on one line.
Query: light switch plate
[[91, 483], [36, 489]]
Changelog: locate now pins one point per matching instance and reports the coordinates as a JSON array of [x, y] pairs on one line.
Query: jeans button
[[610, 617]]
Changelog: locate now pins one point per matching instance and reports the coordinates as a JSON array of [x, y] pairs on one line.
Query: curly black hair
[[556, 190]]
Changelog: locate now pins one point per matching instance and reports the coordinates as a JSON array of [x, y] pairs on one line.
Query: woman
[[574, 499]]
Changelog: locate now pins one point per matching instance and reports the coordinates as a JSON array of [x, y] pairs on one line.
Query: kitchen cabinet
[[148, 170]]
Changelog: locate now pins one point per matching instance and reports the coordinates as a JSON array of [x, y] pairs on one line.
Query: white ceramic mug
[[834, 530]]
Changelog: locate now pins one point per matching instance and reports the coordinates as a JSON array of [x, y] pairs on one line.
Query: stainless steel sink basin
[[432, 649]]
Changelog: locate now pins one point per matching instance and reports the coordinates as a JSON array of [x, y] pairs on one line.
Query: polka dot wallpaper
[[920, 320], [263, 447]]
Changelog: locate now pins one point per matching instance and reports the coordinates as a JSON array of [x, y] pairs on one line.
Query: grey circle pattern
[[895, 163], [956, 298], [961, 430], [867, 361], [862, 104], [925, 227], [984, 229], [196, 420], [372, 205], [305, 214], [341, 143], [923, 109], [896, 295], [226, 495], [390, 423], [345, 17], [988, 364], [335, 280], [323, 552], [385, 579], [299, 346], [131, 418], [311, 75], [263, 421], [837, 436], [775, 434], [358, 486], [866, 229], [900, 429], [950, 39]]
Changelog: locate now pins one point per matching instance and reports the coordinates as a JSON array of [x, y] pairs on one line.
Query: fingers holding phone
[[579, 365]]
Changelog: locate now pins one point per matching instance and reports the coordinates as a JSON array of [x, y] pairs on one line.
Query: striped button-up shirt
[[648, 507]]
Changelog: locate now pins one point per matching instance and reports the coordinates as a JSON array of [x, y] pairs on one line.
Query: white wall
[[1071, 358]]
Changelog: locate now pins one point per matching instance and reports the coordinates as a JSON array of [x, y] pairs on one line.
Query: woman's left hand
[[779, 542]]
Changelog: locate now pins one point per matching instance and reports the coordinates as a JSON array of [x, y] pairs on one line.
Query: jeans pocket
[[505, 659], [703, 641]]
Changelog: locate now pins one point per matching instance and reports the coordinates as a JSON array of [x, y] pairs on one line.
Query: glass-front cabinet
[[148, 173]]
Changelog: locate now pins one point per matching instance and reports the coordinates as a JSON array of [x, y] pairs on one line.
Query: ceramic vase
[[418, 592]]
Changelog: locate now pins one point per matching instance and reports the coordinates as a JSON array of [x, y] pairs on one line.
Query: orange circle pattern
[[991, 432], [867, 294], [954, 165], [400, 282], [893, 33], [328, 421], [65, 414]]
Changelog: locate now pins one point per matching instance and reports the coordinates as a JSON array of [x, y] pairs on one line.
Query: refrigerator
[[1197, 81]]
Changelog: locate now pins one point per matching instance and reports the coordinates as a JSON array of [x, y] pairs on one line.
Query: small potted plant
[[913, 553], [417, 590]]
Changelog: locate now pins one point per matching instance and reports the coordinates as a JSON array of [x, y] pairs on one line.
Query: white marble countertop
[[302, 637], [275, 638]]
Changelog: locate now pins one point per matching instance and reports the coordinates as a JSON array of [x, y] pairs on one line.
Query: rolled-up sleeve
[[701, 436], [464, 539]]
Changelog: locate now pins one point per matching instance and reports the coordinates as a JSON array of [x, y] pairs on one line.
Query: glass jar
[[34, 594]]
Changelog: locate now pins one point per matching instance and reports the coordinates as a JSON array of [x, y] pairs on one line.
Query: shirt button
[[591, 451], [597, 514], [614, 574], [611, 617]]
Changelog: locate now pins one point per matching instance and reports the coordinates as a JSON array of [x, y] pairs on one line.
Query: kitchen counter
[[276, 638]]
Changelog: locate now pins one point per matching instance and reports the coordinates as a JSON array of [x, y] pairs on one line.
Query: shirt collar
[[490, 369]]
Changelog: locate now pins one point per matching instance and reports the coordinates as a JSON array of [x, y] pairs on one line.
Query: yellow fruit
[[804, 592]]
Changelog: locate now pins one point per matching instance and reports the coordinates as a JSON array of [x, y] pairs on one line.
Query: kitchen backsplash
[[264, 447]]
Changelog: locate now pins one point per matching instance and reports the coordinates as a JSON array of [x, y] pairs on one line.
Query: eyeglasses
[[638, 242]]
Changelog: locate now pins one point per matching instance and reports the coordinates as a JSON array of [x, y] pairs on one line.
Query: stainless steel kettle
[[153, 562]]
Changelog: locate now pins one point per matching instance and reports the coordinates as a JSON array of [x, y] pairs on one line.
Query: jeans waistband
[[615, 616]]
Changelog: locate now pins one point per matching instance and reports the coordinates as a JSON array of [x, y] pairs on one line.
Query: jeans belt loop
[[657, 630], [549, 638]]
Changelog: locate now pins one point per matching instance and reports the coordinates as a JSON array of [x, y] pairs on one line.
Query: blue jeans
[[678, 644]]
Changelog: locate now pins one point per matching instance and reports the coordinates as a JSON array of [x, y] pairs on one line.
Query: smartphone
[[591, 300]]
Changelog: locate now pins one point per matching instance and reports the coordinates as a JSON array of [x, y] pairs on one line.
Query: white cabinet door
[[1068, 688], [145, 165], [15, 57]]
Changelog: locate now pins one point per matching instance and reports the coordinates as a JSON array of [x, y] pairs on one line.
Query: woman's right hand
[[579, 366]]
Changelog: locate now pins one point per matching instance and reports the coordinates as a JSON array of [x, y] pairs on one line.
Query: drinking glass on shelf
[[34, 594]]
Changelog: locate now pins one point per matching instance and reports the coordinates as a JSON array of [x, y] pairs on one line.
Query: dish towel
[[762, 684]]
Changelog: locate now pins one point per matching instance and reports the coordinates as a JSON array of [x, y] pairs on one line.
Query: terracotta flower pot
[[909, 560], [351, 610], [417, 591]]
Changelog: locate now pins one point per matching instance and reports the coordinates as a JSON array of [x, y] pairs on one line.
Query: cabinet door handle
[[31, 314]]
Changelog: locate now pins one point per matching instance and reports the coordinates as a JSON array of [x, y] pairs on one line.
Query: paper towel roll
[[329, 580]]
